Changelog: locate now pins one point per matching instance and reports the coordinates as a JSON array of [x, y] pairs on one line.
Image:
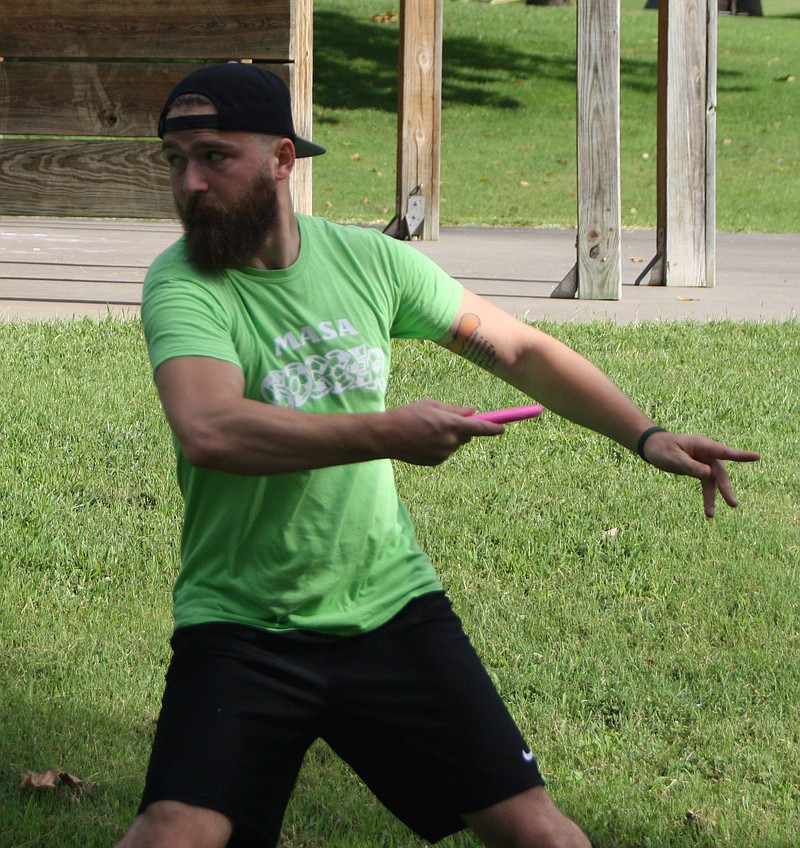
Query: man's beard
[[218, 238]]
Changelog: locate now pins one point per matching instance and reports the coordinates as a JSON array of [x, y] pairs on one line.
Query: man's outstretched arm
[[566, 383]]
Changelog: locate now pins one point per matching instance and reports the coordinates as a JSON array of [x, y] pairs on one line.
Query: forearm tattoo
[[468, 342]]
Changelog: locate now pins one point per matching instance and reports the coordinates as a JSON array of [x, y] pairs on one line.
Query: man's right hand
[[428, 432]]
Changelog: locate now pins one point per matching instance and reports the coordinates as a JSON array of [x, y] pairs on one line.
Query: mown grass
[[650, 655], [508, 118]]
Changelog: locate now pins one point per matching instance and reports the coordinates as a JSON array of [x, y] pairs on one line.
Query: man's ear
[[285, 154]]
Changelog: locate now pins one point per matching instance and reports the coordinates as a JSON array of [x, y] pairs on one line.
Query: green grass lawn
[[650, 655], [508, 115]]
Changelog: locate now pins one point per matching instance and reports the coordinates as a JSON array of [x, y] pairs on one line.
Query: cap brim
[[304, 148]]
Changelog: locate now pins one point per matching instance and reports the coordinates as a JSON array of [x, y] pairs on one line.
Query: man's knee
[[173, 824], [527, 820]]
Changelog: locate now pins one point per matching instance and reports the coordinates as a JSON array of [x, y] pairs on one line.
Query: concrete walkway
[[57, 268], [757, 276]]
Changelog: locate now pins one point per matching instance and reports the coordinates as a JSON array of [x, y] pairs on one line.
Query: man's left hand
[[700, 457]]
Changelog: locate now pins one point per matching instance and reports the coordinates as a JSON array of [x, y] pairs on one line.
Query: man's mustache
[[199, 210]]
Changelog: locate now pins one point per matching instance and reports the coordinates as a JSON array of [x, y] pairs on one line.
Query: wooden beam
[[657, 273], [419, 116], [711, 142], [146, 29], [599, 265], [300, 87], [110, 99], [686, 181], [114, 178]]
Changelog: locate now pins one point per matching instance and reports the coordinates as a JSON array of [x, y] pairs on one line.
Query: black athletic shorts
[[408, 706]]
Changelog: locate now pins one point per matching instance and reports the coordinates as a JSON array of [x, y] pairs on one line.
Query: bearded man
[[304, 607]]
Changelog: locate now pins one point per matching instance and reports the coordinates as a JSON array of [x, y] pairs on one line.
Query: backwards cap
[[245, 96]]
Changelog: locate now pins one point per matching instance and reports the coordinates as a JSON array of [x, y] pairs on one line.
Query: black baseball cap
[[246, 97]]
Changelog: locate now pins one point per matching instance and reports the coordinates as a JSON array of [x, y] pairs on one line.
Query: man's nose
[[194, 180]]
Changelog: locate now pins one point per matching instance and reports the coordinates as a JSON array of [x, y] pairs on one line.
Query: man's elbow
[[204, 448]]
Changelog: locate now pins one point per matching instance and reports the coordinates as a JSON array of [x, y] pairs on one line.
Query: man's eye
[[214, 156]]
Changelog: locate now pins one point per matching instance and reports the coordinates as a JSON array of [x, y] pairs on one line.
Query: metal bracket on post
[[568, 287], [410, 225], [658, 275]]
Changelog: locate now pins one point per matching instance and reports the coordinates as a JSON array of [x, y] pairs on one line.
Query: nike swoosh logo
[[528, 756]]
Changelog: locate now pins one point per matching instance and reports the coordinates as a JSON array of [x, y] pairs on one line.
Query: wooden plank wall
[[82, 83]]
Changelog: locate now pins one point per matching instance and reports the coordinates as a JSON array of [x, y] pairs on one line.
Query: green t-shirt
[[331, 550]]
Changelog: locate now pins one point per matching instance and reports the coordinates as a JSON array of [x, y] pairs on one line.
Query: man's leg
[[527, 820], [239, 711], [419, 719], [172, 824]]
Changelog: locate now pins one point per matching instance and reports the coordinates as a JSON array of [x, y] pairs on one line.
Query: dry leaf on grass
[[50, 779]]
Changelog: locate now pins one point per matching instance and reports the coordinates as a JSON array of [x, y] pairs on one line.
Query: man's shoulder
[[341, 231], [366, 242], [170, 259], [172, 282]]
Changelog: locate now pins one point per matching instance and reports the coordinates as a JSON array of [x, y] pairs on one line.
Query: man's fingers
[[717, 480], [709, 496], [736, 455], [723, 483]]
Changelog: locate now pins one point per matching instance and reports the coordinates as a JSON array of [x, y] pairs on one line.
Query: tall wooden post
[[599, 264], [597, 273], [419, 120], [301, 34], [686, 182]]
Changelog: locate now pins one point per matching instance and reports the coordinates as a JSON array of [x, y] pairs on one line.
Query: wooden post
[[599, 265], [419, 120], [686, 181], [300, 86]]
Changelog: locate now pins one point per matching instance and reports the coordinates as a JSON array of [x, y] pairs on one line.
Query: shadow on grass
[[355, 67]]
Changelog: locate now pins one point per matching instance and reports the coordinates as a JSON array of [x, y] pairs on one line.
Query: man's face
[[224, 190]]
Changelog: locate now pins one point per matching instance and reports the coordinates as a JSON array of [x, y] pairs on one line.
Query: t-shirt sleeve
[[426, 297], [184, 317]]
